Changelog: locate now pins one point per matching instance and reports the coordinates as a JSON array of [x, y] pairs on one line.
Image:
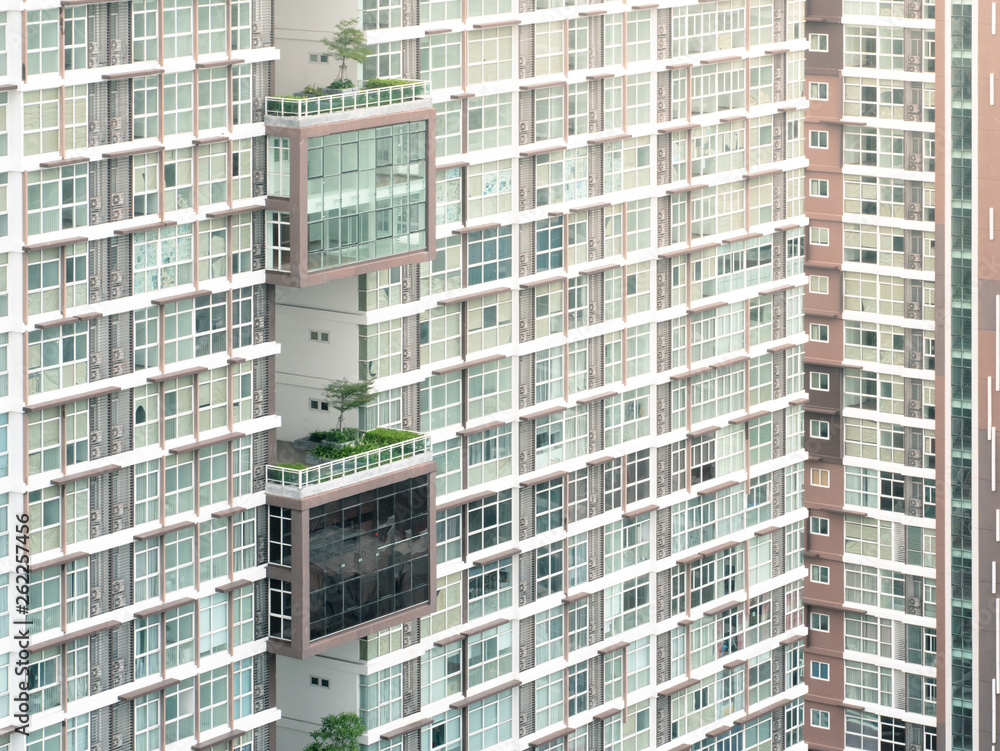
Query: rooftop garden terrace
[[376, 448], [334, 99]]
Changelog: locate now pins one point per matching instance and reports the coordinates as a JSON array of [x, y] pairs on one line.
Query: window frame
[[821, 141], [819, 718], [819, 429], [819, 42], [819, 670], [819, 528], [816, 621], [819, 188], [819, 574], [822, 333], [816, 477]]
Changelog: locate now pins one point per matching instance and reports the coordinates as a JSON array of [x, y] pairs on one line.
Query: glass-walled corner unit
[[348, 186], [351, 546]]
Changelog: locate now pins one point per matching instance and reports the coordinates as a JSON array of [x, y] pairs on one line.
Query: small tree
[[348, 43], [340, 732], [344, 395]]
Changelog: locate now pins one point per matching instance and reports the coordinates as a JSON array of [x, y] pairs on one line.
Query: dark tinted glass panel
[[369, 556]]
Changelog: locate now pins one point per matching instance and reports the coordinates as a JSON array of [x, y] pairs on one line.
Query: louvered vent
[[526, 380], [526, 631], [526, 520], [526, 696], [595, 169], [526, 443], [526, 583]]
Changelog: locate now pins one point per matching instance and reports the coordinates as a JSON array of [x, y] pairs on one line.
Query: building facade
[[137, 387], [648, 297], [872, 542], [604, 353]]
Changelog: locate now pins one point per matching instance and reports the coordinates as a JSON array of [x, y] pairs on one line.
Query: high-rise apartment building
[[648, 291], [137, 386], [603, 354], [875, 544], [902, 366]]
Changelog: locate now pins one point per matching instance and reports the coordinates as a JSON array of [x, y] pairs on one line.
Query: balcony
[[346, 100], [350, 183], [351, 546], [319, 474]]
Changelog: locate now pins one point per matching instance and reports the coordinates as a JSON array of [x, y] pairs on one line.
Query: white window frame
[[819, 574], [819, 188], [819, 332], [819, 91], [819, 42], [817, 428], [819, 718], [819, 622], [819, 525], [819, 235], [819, 670]]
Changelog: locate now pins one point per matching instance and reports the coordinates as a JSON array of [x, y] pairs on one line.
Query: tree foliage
[[348, 43], [344, 395], [340, 732]]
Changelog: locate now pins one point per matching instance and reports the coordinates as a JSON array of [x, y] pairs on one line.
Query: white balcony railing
[[347, 100], [348, 465]]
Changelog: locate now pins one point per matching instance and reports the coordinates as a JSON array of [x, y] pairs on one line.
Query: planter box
[[304, 444]]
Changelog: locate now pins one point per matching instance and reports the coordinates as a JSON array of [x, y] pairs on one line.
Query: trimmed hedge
[[335, 436], [373, 439], [381, 83]]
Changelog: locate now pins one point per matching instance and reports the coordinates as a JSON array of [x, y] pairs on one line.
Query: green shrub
[[292, 466], [347, 83], [345, 435], [387, 436], [373, 439], [338, 733], [312, 90], [381, 83]]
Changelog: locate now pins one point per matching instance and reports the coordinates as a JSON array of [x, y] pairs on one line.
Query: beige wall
[[299, 29]]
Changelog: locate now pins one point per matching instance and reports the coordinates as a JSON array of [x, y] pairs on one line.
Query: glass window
[[491, 721], [490, 122], [489, 455], [57, 198], [179, 711], [491, 588], [490, 521], [145, 46], [42, 41], [441, 54], [491, 654], [381, 696], [178, 102], [177, 28], [355, 227], [490, 54], [489, 255], [441, 673], [344, 597], [179, 559]]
